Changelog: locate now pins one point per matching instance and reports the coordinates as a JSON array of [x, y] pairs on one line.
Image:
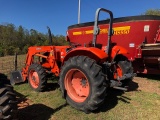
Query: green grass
[[118, 105], [133, 105]]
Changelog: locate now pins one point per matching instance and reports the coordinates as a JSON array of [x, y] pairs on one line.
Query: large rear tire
[[37, 77], [7, 101], [82, 83]]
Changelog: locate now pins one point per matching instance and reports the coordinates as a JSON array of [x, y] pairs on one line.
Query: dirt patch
[[147, 85], [24, 104], [28, 110]]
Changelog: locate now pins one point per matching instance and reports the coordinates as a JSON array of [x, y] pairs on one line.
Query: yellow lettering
[[117, 31], [89, 32], [77, 33]]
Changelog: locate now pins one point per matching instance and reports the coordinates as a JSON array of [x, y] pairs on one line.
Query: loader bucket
[[16, 77]]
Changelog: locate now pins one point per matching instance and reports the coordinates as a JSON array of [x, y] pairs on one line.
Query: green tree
[[153, 12], [18, 39]]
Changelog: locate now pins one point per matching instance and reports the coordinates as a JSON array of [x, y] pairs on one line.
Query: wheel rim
[[34, 79], [118, 73], [77, 85]]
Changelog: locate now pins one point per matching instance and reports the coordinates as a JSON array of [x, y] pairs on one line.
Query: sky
[[59, 14]]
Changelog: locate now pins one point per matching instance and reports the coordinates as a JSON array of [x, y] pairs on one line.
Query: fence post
[[15, 62]]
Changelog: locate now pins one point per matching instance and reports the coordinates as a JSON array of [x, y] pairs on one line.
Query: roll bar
[[96, 29]]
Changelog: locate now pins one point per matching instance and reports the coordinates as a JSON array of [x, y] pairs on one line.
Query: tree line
[[17, 39]]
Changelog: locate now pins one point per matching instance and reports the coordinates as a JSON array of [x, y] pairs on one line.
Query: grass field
[[140, 102]]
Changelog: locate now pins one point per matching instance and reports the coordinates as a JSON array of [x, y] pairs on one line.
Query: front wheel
[[37, 77], [83, 84]]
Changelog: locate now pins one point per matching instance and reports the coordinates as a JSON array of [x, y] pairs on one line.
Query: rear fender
[[92, 52], [121, 50]]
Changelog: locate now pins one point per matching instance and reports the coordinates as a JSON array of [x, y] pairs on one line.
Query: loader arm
[[36, 51]]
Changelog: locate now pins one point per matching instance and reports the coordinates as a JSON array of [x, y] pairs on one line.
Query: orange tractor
[[85, 72]]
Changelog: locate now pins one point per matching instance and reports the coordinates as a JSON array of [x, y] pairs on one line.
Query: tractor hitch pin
[[120, 88], [116, 85]]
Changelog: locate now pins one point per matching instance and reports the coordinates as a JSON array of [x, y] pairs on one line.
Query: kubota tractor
[[85, 72]]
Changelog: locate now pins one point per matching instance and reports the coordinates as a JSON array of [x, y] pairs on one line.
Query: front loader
[[85, 72]]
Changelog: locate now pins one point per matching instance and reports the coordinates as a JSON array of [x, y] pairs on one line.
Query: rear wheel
[[37, 77], [83, 83], [7, 101], [123, 66]]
